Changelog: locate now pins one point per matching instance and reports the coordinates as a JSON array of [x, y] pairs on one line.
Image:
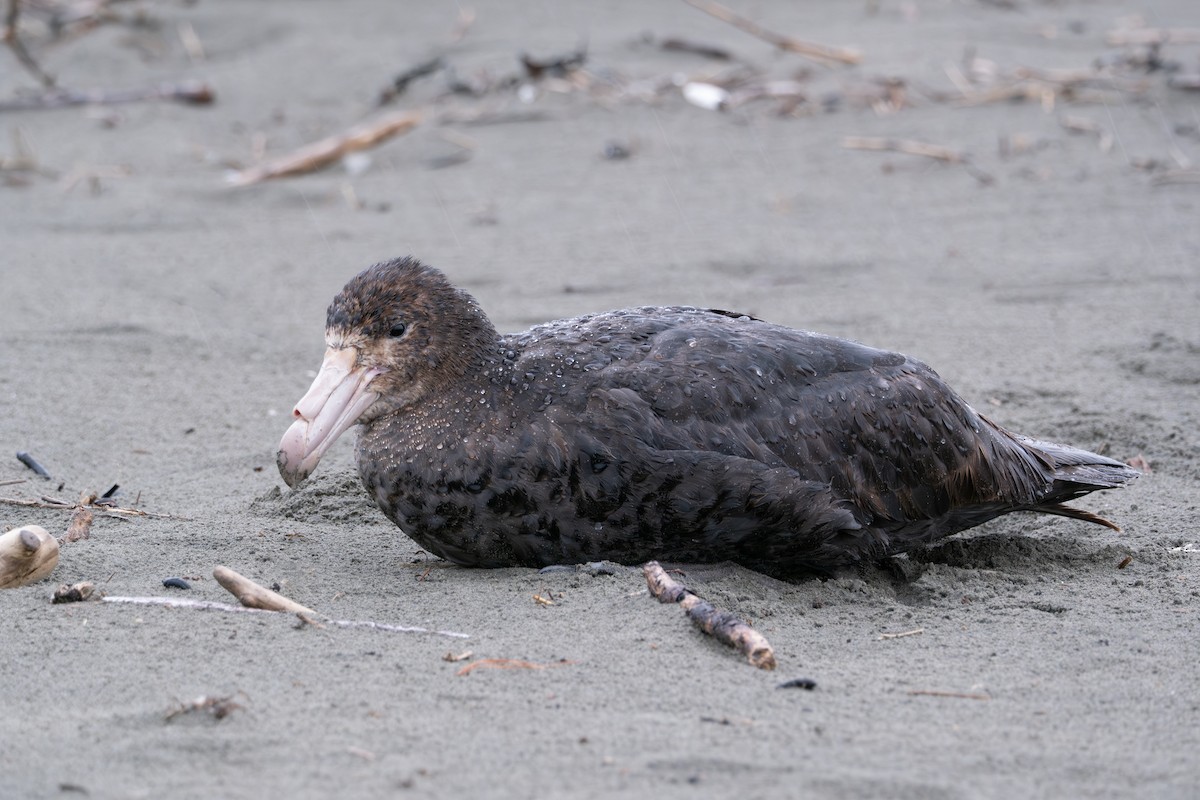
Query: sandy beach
[[159, 323]]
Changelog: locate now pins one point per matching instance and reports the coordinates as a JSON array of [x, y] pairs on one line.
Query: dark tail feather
[[1075, 513], [1076, 473]]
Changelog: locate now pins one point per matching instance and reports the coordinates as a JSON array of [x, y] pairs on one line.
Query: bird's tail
[[1074, 473]]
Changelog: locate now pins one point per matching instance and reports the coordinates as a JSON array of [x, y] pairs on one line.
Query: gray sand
[[157, 327]]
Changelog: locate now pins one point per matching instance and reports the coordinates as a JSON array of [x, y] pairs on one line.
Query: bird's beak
[[337, 398]]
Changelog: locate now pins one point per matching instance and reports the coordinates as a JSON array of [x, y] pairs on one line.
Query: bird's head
[[396, 333]]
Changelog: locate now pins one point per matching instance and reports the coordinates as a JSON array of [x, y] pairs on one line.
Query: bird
[[680, 434]]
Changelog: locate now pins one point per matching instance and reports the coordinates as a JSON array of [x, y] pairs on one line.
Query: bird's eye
[[398, 330]]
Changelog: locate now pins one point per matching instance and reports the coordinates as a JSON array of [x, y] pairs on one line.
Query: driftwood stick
[[251, 595], [721, 625], [1155, 36], [13, 39], [916, 148], [507, 663], [938, 693], [27, 554], [195, 93], [1176, 176], [102, 509], [322, 153], [817, 52], [902, 634], [211, 605]]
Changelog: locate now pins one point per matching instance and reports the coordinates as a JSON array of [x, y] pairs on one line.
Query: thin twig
[[817, 52], [320, 154], [960, 695], [13, 39], [102, 510], [1176, 176], [507, 663], [902, 634], [1155, 36], [188, 92], [212, 605], [916, 148]]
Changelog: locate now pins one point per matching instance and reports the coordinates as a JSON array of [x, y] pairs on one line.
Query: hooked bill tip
[[292, 477]]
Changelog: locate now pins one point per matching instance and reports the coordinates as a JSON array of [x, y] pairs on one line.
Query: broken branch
[[103, 509], [251, 595], [507, 663], [320, 154], [721, 625], [817, 52], [960, 695], [1155, 36], [188, 92], [13, 40], [902, 634], [915, 148]]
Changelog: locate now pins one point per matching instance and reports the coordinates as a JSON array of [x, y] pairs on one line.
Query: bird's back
[[755, 426]]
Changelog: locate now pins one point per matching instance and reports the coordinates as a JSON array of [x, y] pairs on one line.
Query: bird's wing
[[882, 430]]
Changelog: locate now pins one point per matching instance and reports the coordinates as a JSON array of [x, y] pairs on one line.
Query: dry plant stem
[[959, 695], [817, 52], [13, 40], [219, 707], [188, 92], [27, 554], [1155, 36], [902, 634], [915, 148], [506, 663], [102, 510], [1176, 176], [317, 155], [251, 595], [721, 625], [210, 605]]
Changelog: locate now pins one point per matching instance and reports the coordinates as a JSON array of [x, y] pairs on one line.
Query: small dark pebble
[[615, 151], [798, 683], [176, 583], [275, 587]]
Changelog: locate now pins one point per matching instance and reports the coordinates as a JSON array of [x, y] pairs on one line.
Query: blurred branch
[[13, 39]]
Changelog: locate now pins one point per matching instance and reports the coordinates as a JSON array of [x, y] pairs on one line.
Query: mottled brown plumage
[[677, 434]]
